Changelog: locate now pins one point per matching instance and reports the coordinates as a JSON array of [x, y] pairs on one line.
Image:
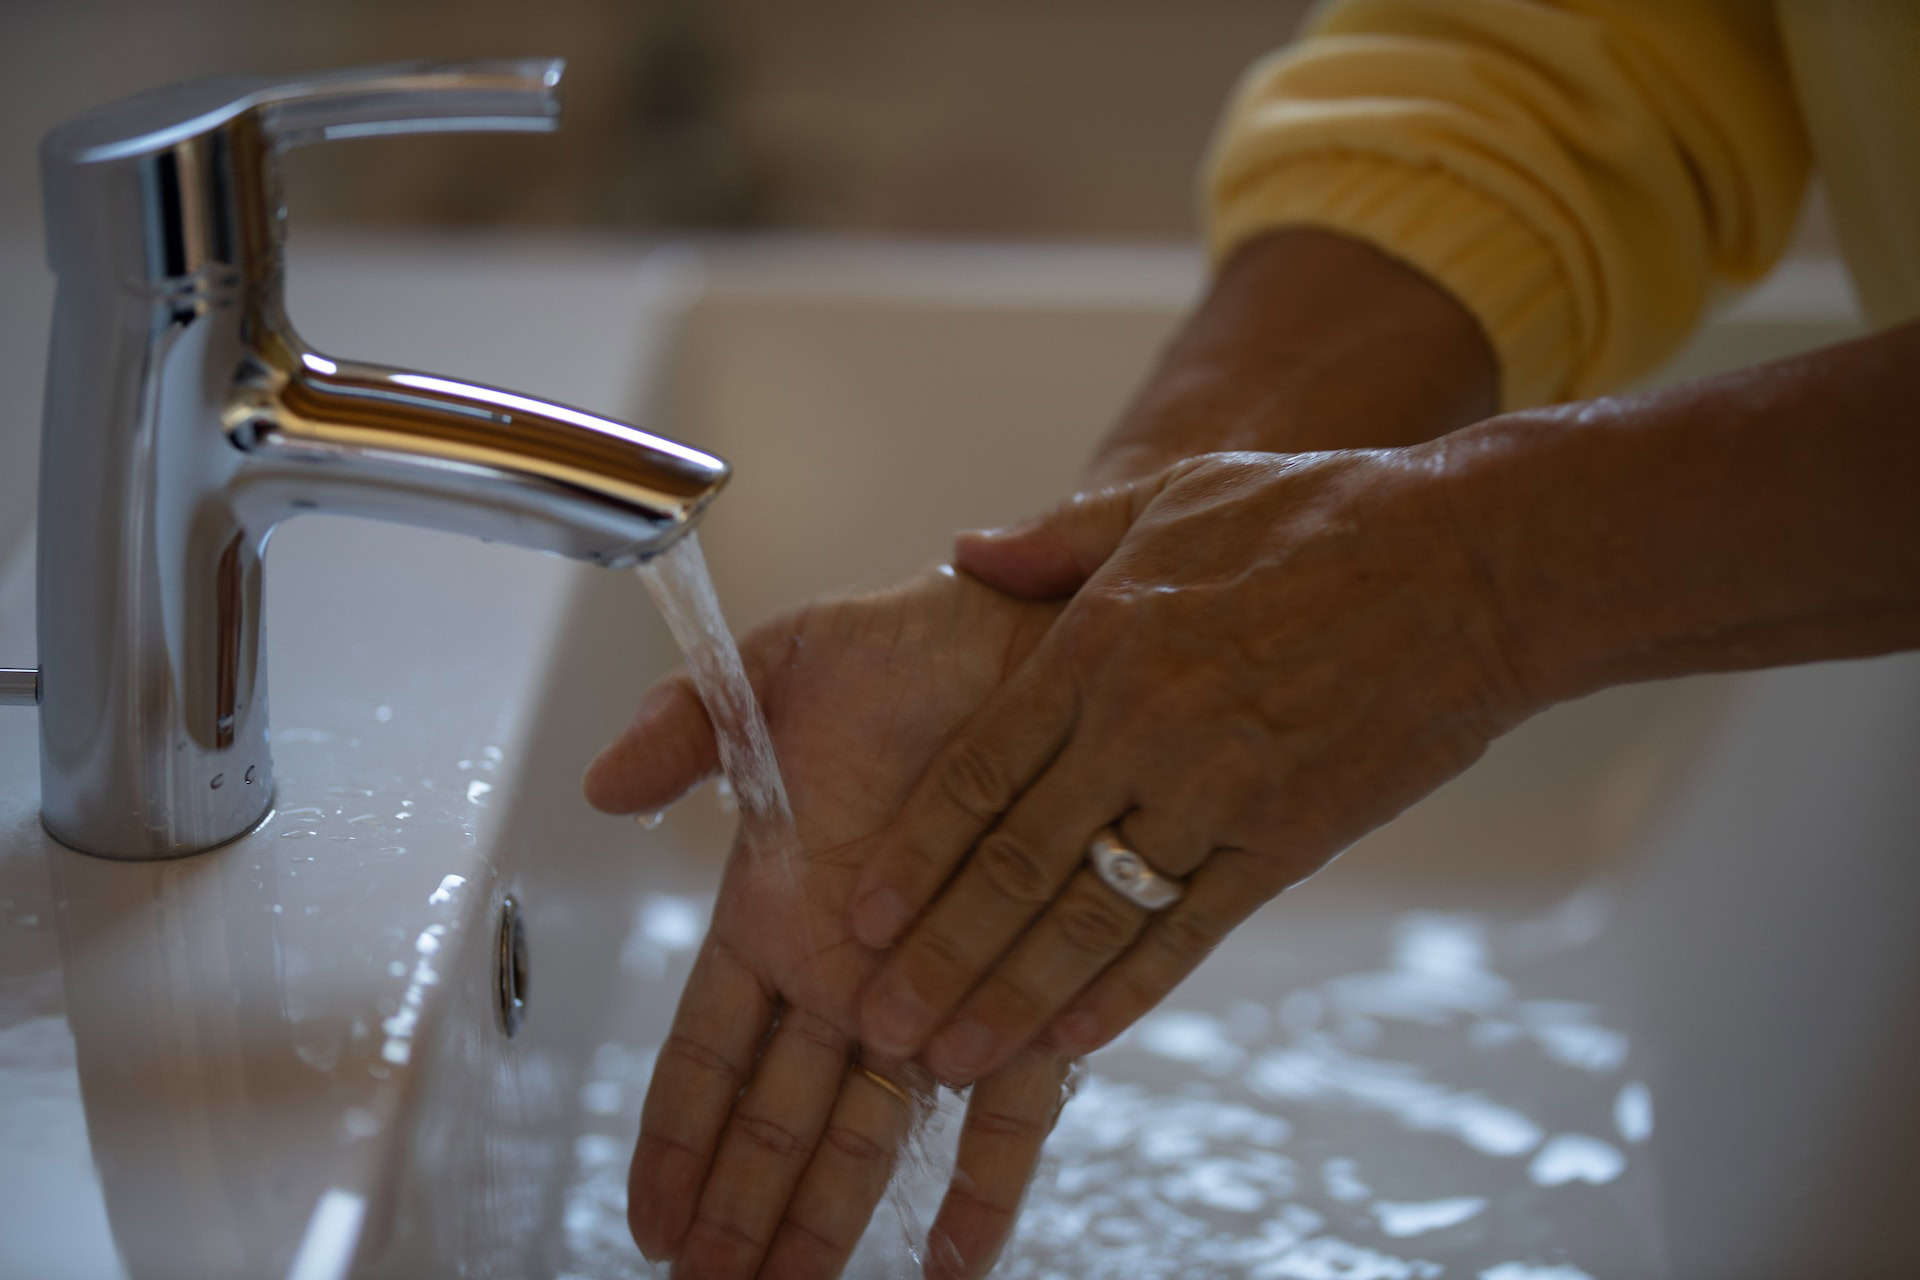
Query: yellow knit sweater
[[1580, 173]]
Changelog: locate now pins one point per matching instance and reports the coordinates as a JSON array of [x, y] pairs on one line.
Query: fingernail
[[878, 916], [896, 1017], [961, 1050], [1077, 1031]]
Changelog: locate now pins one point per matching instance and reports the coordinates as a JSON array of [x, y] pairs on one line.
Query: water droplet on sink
[[477, 790], [383, 713], [219, 780], [1633, 1111], [1412, 1219], [1570, 1157]]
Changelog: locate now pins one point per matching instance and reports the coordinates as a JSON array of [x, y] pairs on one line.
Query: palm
[[858, 694]]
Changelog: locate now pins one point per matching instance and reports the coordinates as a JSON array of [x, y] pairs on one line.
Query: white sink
[[284, 1058]]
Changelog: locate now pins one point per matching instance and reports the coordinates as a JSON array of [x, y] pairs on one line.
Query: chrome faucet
[[184, 419]]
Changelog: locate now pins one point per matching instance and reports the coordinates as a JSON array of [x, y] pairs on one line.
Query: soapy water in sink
[[1366, 1095]]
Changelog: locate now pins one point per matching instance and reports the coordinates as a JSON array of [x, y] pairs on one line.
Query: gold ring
[[888, 1085]]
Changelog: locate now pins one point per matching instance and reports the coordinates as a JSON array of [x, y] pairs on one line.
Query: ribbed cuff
[[1469, 243]]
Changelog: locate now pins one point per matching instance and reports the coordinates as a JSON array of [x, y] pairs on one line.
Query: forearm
[[1767, 517], [1306, 340]]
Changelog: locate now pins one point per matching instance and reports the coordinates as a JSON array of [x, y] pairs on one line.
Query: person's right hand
[[765, 1143]]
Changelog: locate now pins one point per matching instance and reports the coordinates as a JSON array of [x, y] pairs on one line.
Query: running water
[[683, 591], [681, 588]]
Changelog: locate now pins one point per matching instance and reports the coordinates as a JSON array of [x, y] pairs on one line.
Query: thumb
[[667, 749], [1054, 554]]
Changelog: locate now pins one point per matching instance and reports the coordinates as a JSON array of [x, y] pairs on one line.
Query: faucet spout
[[363, 439], [184, 419]]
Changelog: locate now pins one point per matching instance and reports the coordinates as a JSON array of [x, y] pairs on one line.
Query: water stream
[[683, 591]]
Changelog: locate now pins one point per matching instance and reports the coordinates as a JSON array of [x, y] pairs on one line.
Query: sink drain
[[510, 966]]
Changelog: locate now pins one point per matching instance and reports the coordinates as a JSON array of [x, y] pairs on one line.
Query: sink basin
[[1601, 1006]]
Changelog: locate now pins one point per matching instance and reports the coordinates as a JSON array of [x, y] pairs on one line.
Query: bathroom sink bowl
[[1601, 1006]]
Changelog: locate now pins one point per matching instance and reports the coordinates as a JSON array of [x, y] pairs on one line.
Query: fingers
[[767, 1144], [847, 1175], [1008, 1118], [1078, 935], [664, 752], [1052, 556], [963, 792], [723, 1016], [1223, 892], [1014, 874]]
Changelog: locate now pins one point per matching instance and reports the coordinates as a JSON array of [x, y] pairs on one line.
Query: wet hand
[[767, 1138], [1264, 657]]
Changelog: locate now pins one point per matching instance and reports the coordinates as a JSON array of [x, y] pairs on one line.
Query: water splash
[[1246, 1131]]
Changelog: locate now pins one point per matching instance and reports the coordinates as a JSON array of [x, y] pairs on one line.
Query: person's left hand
[[765, 1141], [1265, 656]]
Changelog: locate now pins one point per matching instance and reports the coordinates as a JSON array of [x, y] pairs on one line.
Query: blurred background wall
[[971, 118]]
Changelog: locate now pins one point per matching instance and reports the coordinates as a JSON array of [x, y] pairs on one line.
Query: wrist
[[1761, 518], [1307, 340]]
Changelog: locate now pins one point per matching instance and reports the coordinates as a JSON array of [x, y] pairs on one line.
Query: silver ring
[[1125, 872]]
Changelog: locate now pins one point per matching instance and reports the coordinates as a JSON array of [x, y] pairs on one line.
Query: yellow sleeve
[[1578, 174]]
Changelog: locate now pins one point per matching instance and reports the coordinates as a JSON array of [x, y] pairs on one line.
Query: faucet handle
[[505, 94], [161, 185], [356, 102]]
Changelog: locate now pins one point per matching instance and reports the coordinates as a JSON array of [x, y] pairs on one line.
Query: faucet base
[[161, 851]]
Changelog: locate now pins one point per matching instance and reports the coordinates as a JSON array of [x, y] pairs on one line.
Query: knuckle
[[702, 1058], [976, 780], [936, 961], [719, 1241], [1185, 936], [994, 1210], [853, 1144], [1012, 868], [772, 1137], [1001, 1123], [817, 1033], [1009, 1002], [1091, 924], [822, 1245]]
